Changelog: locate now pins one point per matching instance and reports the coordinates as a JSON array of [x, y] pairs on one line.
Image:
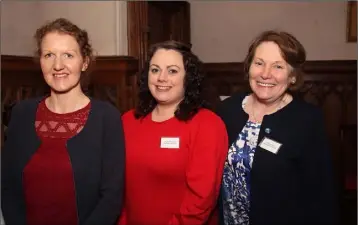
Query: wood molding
[[137, 29], [352, 21]]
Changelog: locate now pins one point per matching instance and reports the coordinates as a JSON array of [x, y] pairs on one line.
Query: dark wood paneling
[[22, 78], [227, 78]]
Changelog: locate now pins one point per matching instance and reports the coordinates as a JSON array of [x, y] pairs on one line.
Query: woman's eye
[[48, 55], [258, 63], [68, 55], [173, 71], [154, 70]]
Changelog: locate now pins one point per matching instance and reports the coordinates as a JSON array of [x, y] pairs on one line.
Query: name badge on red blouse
[[169, 142]]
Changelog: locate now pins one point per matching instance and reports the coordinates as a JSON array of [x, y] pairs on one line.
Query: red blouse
[[173, 169], [48, 177]]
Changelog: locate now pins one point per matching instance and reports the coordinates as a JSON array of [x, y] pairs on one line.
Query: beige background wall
[[105, 21], [18, 23], [222, 31]]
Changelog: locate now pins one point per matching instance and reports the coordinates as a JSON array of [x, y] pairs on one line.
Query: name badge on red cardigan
[[270, 145], [169, 142]]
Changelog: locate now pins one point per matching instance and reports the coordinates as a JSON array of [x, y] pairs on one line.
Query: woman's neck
[[258, 109], [163, 112], [265, 106], [66, 102]]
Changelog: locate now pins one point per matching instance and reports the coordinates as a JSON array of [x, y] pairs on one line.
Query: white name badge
[[270, 145], [169, 142]]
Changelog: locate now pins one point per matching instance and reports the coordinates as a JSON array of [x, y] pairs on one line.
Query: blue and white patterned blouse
[[236, 177]]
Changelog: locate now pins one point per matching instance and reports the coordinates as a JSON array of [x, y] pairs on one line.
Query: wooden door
[[168, 21], [151, 22]]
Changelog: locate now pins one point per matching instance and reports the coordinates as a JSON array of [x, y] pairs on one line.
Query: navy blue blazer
[[97, 157], [295, 185]]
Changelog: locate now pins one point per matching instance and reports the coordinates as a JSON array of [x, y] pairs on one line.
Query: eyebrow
[[69, 50], [167, 66], [273, 62]]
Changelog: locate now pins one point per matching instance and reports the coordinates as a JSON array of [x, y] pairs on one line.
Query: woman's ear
[[85, 64]]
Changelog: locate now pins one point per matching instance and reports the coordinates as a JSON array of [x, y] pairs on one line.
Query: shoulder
[[207, 118], [208, 125], [26, 106], [105, 108], [301, 116], [230, 109], [305, 109], [233, 99], [231, 103], [129, 115]]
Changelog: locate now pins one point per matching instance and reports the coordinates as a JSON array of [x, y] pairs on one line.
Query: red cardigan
[[173, 169]]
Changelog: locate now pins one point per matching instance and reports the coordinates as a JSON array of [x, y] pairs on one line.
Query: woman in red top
[[63, 160], [175, 148]]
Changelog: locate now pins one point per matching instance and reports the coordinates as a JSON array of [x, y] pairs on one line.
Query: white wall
[[105, 22], [222, 31]]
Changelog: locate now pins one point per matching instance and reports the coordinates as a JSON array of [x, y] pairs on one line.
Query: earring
[[293, 80]]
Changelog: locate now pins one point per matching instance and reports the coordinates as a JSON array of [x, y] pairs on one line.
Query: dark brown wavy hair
[[194, 75]]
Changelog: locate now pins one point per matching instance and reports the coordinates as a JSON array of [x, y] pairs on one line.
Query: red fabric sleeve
[[122, 219], [209, 149]]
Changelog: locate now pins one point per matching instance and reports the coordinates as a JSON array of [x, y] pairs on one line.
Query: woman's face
[[166, 77], [61, 62], [269, 73]]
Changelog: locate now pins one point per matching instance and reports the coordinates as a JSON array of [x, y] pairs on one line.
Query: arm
[[11, 196], [318, 175], [111, 190], [204, 173]]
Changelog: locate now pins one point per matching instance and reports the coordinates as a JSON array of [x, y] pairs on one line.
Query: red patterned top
[[48, 177]]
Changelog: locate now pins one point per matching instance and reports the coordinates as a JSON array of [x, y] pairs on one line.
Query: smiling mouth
[[265, 84], [163, 88], [60, 75]]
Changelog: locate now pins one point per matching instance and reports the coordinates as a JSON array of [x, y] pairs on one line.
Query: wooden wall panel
[[21, 78]]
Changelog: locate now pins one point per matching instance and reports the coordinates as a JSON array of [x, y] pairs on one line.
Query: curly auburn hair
[[64, 26], [194, 75], [291, 49]]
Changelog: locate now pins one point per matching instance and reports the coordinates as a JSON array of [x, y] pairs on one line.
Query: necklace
[[279, 106]]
